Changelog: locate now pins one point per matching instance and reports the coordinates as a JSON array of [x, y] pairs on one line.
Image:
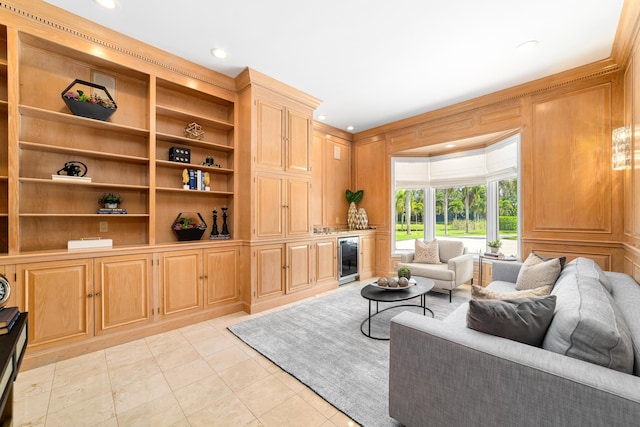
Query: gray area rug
[[319, 342]]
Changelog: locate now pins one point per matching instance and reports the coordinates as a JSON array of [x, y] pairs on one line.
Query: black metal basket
[[87, 109], [194, 233]]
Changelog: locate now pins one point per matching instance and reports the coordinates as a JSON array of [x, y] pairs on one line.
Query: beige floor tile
[[37, 422], [126, 354], [243, 374], [341, 420], [199, 330], [166, 342], [85, 413], [34, 382], [67, 371], [294, 412], [324, 407], [163, 411], [31, 410], [111, 422], [140, 392], [264, 395], [80, 389], [267, 364], [290, 381], [229, 411], [199, 395], [127, 374], [183, 375], [226, 358], [177, 357], [211, 344], [255, 423]]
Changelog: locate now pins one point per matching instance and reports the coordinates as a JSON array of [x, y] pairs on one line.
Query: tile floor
[[199, 375]]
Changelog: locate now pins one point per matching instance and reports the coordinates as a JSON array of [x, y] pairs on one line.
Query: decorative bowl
[[96, 106]]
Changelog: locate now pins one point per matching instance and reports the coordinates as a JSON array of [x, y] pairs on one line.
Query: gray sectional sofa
[[443, 373]]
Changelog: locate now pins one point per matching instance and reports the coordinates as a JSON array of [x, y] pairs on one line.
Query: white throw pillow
[[536, 272], [427, 252]]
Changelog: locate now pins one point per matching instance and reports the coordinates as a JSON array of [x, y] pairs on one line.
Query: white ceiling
[[374, 61]]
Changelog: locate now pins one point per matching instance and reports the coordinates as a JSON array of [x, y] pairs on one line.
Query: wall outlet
[[104, 226]]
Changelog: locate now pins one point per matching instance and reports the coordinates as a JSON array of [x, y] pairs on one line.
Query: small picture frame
[[109, 82]]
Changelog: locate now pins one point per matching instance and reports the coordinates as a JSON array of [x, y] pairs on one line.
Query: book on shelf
[[496, 255], [71, 178], [112, 211], [8, 317]]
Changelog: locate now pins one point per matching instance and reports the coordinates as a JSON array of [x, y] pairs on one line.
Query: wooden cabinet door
[[221, 271], [298, 266], [298, 211], [270, 136], [59, 299], [270, 206], [367, 257], [298, 142], [180, 282], [326, 265], [269, 267], [122, 291]]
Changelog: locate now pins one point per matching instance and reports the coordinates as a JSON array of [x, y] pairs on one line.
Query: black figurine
[[214, 232], [225, 230]]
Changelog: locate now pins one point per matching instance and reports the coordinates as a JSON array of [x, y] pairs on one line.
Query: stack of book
[[496, 255], [112, 211], [8, 317]]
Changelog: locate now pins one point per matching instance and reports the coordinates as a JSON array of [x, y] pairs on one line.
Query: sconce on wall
[[621, 148]]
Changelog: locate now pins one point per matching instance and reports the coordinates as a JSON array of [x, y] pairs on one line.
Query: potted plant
[[404, 271], [353, 197], [110, 200], [494, 245]]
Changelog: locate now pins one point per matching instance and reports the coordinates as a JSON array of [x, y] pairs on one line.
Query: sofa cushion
[[426, 252], [535, 272], [588, 325], [588, 267], [521, 319], [432, 271], [478, 292]]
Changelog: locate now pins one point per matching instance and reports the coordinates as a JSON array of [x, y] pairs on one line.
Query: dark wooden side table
[[490, 259], [12, 349]]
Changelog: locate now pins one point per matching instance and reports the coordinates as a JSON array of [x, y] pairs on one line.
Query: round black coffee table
[[374, 293]]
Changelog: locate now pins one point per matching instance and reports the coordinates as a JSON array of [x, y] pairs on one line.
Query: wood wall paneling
[[372, 175], [570, 162]]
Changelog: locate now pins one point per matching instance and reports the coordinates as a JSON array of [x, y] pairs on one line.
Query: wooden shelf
[[195, 192], [189, 117], [193, 142], [39, 113], [177, 165], [75, 151], [85, 184], [79, 215]]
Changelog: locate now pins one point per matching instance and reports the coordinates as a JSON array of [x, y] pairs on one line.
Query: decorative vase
[[362, 221], [111, 205], [352, 213], [493, 250]]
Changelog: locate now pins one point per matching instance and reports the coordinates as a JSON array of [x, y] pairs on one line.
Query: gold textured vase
[[352, 215]]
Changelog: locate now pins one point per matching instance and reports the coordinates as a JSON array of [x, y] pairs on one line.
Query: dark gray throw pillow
[[521, 319]]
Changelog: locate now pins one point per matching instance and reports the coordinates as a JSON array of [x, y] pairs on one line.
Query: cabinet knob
[[90, 296], [97, 294]]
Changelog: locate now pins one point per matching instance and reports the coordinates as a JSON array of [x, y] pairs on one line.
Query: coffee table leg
[[370, 316]]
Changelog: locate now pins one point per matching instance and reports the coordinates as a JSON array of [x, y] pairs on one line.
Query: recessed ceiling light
[[449, 145], [350, 128], [219, 53], [322, 117], [109, 4], [528, 45]]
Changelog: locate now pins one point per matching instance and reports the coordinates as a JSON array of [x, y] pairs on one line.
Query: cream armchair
[[455, 268]]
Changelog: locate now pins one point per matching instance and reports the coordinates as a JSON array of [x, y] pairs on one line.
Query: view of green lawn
[[417, 231]]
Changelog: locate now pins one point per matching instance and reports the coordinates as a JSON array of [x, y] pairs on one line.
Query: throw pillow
[[427, 252], [562, 259], [478, 292], [535, 273], [521, 319]]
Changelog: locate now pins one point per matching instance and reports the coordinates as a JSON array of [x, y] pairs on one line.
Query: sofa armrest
[[407, 257], [462, 265], [505, 271], [442, 373]]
